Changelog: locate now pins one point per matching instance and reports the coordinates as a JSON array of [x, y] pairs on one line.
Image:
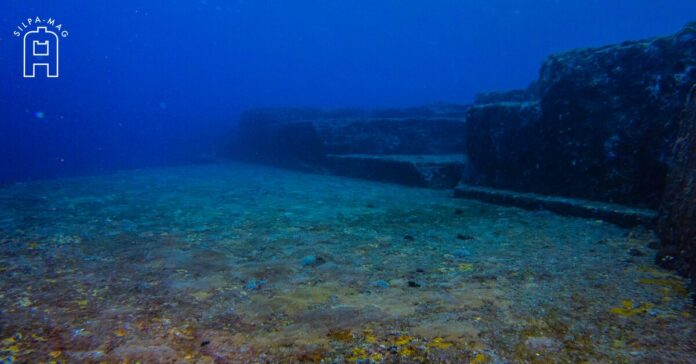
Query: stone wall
[[599, 123], [416, 146], [677, 219], [501, 144], [308, 135]]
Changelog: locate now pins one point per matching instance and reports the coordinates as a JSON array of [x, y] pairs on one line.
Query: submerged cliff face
[[677, 219], [605, 123]]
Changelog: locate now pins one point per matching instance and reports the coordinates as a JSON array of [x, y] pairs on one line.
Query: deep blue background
[[162, 82]]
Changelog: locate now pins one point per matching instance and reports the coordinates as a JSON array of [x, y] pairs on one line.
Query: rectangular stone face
[[677, 220], [309, 134], [605, 124], [500, 140]]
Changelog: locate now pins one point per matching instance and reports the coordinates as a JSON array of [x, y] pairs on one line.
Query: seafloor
[[238, 263]]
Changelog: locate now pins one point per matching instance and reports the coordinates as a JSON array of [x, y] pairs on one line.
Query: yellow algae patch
[[38, 338], [369, 337], [465, 267], [341, 335], [120, 332], [653, 271], [628, 309], [186, 333], [24, 302], [480, 359], [668, 285], [82, 303], [55, 354], [377, 357], [361, 352], [201, 295], [438, 343], [402, 340], [407, 351], [314, 356], [357, 354]]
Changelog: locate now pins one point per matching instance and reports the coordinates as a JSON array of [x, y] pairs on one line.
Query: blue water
[[155, 83]]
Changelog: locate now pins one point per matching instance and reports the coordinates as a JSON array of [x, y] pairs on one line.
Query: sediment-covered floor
[[239, 263]]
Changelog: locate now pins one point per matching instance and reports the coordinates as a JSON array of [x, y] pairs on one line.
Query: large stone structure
[[417, 146], [599, 124], [677, 219]]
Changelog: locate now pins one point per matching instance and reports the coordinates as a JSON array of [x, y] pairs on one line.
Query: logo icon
[[41, 51]]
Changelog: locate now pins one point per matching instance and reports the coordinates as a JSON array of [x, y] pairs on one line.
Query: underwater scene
[[412, 181]]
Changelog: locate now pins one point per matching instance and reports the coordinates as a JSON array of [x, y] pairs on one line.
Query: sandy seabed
[[236, 263]]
